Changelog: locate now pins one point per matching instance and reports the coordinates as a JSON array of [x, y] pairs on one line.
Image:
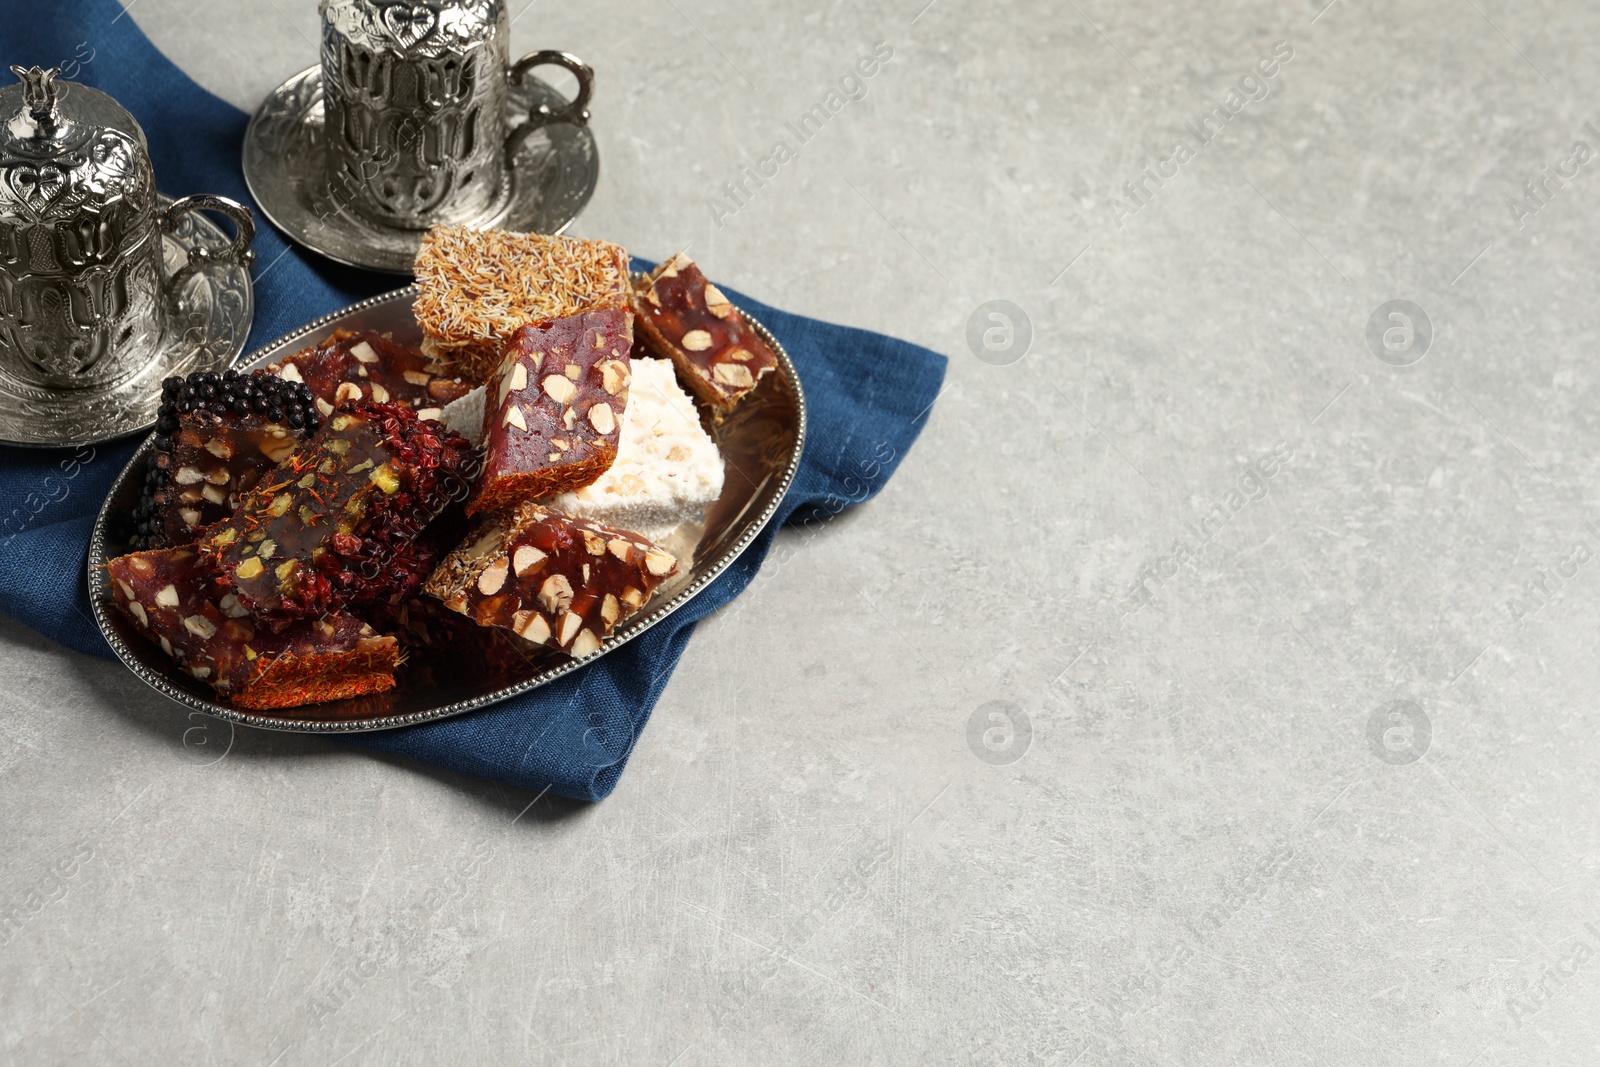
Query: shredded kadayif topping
[[482, 285]]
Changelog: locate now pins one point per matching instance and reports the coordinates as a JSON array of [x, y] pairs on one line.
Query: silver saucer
[[550, 181], [761, 443], [208, 320]]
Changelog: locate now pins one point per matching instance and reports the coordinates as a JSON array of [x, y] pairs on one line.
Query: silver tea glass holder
[[416, 116]]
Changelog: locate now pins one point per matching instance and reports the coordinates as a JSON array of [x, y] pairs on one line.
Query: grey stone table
[[1214, 684]]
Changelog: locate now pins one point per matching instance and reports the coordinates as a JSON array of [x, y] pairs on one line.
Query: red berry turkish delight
[[172, 599], [324, 528]]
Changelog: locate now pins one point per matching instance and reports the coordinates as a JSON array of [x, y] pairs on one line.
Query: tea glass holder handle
[[576, 112], [239, 253]]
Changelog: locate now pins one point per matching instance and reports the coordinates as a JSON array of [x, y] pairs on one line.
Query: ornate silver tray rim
[[653, 613]]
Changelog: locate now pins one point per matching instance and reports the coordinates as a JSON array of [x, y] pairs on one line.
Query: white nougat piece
[[465, 416], [667, 469]]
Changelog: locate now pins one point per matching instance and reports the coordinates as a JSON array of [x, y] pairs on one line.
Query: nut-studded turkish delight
[[171, 598], [348, 366], [322, 528], [215, 434], [688, 320], [557, 581], [553, 409]]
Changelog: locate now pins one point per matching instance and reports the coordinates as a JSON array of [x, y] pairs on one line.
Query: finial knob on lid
[[39, 96]]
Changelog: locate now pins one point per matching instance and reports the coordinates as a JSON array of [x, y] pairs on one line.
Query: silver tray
[[550, 180], [760, 442]]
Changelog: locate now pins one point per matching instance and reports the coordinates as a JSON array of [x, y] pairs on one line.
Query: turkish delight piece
[[215, 434], [424, 623], [171, 598], [556, 581], [475, 288], [324, 527], [450, 652], [688, 320], [641, 345], [384, 603], [667, 469], [349, 366], [553, 410]]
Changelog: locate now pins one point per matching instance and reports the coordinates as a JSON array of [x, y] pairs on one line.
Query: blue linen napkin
[[868, 398]]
